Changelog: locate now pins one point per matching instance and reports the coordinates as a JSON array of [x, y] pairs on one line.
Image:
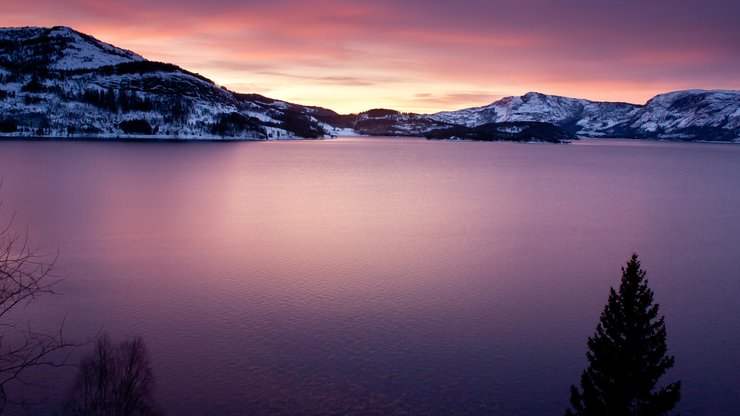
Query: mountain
[[680, 115], [60, 48], [688, 115], [578, 116], [58, 82]]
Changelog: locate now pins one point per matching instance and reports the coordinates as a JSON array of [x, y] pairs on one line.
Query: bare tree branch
[[114, 380], [25, 275]]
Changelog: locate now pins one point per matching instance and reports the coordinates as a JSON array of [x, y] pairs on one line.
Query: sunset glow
[[421, 56]]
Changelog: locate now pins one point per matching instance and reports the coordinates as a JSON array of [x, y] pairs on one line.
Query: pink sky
[[422, 56]]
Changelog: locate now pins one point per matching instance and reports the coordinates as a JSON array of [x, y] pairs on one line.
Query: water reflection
[[384, 274]]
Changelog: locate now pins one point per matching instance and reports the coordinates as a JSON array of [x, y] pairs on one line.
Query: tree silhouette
[[114, 380], [25, 275], [627, 355]]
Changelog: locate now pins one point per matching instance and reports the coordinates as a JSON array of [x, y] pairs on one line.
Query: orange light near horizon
[[353, 57]]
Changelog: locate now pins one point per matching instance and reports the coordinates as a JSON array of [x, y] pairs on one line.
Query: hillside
[[58, 82]]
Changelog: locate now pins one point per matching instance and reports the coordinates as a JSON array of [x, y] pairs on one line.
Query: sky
[[421, 56]]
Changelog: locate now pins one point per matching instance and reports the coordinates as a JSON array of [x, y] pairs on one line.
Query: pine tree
[[627, 355]]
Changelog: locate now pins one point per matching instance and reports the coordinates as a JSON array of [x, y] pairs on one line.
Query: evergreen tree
[[627, 355]]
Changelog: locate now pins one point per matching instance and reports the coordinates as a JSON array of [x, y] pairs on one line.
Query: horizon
[[419, 57]]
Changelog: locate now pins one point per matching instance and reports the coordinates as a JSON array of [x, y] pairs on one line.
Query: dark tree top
[[627, 355]]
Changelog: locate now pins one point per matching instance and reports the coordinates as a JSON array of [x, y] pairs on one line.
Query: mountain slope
[[58, 48], [61, 83], [681, 115], [576, 115], [688, 115]]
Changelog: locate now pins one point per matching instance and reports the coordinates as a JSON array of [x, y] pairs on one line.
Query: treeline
[[114, 379], [112, 100], [139, 68], [28, 55], [8, 125]]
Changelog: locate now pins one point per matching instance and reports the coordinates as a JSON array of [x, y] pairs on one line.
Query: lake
[[378, 275]]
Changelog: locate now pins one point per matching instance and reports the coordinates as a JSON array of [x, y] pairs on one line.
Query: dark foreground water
[[382, 276]]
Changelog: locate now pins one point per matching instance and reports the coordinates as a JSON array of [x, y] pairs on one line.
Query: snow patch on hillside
[[84, 53]]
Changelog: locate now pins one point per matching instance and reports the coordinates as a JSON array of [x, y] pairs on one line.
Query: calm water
[[370, 275]]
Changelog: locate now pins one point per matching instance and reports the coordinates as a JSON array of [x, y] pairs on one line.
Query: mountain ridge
[[57, 82], [669, 115], [63, 83]]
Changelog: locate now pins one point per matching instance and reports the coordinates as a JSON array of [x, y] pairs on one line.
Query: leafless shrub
[[114, 380]]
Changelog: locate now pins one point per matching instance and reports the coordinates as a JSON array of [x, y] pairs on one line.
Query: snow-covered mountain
[[61, 83], [689, 115], [58, 82], [59, 48], [680, 115], [583, 116]]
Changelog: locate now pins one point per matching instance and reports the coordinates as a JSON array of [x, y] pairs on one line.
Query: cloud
[[397, 51], [457, 98], [332, 79]]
